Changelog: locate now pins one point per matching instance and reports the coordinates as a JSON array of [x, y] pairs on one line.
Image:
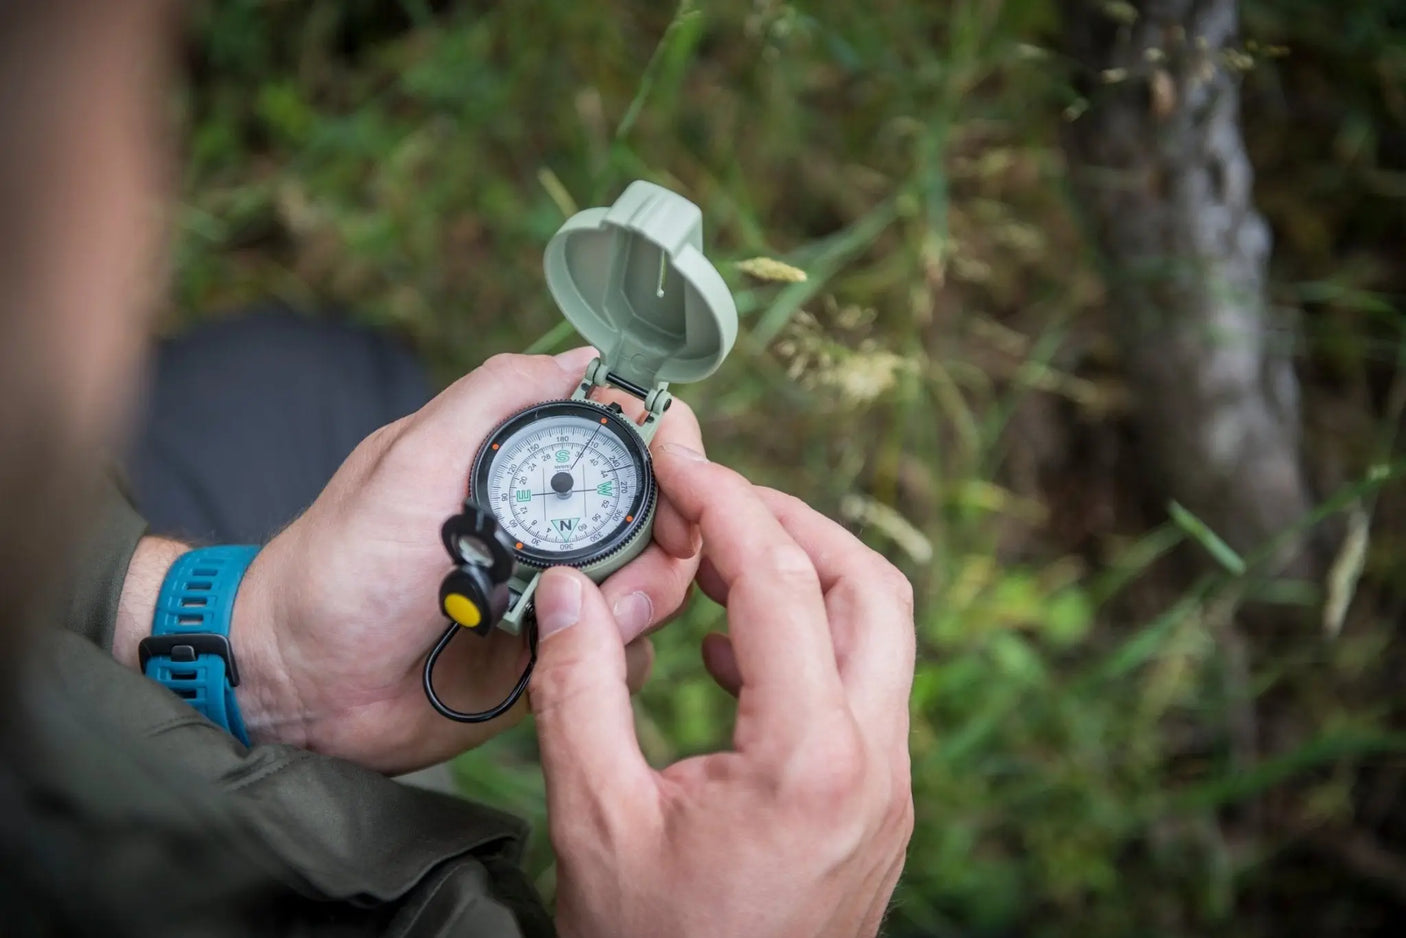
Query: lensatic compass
[[570, 482]]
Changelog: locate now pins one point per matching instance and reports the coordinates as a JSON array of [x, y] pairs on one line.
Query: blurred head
[[82, 111]]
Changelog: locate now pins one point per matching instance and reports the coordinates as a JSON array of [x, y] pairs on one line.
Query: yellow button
[[462, 610]]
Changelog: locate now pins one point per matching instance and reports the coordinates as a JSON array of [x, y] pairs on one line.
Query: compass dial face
[[570, 481]]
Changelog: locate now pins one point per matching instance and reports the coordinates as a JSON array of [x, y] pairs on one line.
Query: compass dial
[[570, 481]]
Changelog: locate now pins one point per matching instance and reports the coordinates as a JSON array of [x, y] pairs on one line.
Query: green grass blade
[[674, 35], [552, 340], [1327, 748], [1201, 532]]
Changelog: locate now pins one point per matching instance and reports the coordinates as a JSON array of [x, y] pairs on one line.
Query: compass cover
[[633, 280]]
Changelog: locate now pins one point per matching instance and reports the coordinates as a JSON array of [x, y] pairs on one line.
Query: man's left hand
[[336, 614]]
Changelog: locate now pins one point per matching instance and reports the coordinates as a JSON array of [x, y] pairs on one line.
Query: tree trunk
[[1160, 167]]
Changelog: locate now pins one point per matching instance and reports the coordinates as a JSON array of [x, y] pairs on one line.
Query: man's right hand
[[801, 828]]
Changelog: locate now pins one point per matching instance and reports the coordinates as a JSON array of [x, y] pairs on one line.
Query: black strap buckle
[[185, 648]]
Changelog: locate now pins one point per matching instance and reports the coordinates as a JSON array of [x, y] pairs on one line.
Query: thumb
[[579, 696]]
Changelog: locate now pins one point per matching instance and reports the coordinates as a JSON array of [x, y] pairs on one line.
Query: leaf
[[1015, 659], [1069, 615]]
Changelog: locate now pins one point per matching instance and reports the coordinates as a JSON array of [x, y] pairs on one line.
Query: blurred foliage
[[943, 381]]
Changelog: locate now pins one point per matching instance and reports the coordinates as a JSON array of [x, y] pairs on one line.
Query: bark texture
[[1160, 168]]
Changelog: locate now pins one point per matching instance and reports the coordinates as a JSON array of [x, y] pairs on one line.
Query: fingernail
[[683, 452], [633, 614], [558, 603]]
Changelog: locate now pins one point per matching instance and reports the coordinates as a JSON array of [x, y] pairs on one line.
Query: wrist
[[267, 697], [136, 608], [267, 694]]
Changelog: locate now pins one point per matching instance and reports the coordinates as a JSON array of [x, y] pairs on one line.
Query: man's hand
[[801, 829], [336, 614]]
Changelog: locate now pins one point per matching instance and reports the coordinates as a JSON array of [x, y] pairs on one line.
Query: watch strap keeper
[[189, 650]]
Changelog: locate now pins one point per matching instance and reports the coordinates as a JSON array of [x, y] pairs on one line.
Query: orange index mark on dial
[[629, 517], [518, 545], [495, 445], [604, 419]]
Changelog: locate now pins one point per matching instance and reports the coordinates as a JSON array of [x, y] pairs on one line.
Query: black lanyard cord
[[506, 704]]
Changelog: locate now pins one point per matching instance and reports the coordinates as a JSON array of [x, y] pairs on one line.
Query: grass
[[943, 379]]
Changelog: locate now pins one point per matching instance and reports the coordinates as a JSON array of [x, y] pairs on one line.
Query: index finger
[[679, 427], [776, 613], [870, 605]]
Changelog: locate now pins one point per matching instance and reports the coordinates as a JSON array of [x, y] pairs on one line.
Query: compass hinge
[[656, 400]]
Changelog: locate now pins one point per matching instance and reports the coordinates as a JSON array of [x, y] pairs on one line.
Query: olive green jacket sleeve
[[334, 848], [95, 585]]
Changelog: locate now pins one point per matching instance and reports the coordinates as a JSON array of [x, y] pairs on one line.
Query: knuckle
[[850, 593], [375, 447], [385, 435], [675, 535], [903, 778], [589, 831], [902, 818], [894, 583], [503, 369], [384, 438], [784, 501], [788, 563], [507, 369], [555, 687], [573, 837], [502, 365], [719, 478], [899, 813], [830, 773], [394, 448], [673, 590]]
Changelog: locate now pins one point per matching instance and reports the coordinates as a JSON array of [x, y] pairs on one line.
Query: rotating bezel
[[641, 508]]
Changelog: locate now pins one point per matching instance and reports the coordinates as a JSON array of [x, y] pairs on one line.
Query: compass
[[570, 482]]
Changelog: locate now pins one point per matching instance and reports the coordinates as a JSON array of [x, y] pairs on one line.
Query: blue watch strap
[[188, 649]]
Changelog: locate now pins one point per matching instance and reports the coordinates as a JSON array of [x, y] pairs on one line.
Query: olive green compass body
[[570, 482]]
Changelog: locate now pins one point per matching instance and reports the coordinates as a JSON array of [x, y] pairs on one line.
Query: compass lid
[[633, 280]]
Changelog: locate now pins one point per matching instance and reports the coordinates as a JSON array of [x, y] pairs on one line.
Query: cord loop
[[503, 706]]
